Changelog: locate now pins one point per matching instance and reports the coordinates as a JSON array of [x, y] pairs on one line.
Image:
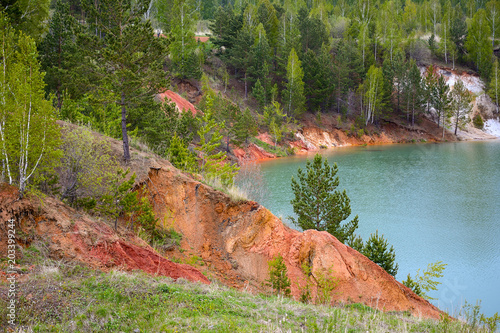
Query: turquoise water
[[431, 201]]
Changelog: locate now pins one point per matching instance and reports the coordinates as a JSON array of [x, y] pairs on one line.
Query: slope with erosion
[[233, 240], [74, 236], [237, 239]]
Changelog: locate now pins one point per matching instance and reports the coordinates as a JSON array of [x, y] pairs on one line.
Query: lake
[[431, 201]]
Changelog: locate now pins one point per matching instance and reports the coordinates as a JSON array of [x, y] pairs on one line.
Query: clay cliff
[[71, 235], [237, 239]]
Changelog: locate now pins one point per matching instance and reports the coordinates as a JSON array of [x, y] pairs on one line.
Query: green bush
[[278, 278], [478, 121]]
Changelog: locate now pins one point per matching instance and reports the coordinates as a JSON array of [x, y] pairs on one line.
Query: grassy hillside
[[57, 296]]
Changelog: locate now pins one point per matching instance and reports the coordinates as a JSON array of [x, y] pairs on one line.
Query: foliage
[[278, 278], [491, 323], [461, 104], [317, 202], [478, 121], [377, 250], [214, 165], [294, 93], [117, 196], [29, 135], [326, 285], [180, 156], [121, 59], [421, 285], [87, 166]]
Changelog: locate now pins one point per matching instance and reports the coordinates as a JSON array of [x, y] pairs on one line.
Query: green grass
[[66, 297], [278, 151]]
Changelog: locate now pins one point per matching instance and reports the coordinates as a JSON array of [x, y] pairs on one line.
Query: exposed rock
[[74, 236], [236, 240]]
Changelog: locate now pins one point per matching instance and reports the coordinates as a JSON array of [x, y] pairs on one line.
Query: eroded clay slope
[[236, 241], [71, 235]]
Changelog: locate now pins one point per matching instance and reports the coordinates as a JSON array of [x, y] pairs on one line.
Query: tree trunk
[[126, 149]]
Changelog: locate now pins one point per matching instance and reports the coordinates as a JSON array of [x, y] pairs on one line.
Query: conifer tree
[[377, 250], [317, 202], [460, 104], [478, 44], [122, 59], [58, 49], [495, 84]]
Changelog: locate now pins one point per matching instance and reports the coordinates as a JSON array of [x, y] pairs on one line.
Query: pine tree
[[294, 93], [317, 202], [460, 104], [442, 102], [377, 250], [122, 61], [57, 51]]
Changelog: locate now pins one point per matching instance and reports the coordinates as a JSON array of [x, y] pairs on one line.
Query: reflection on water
[[431, 201]]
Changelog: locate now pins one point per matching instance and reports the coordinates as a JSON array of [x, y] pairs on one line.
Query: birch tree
[[29, 135], [294, 93], [373, 93]]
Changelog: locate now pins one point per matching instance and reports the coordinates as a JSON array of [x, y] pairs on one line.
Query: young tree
[[214, 166], [373, 93], [460, 104], [29, 135], [294, 93], [425, 283], [478, 44], [278, 278], [495, 83], [182, 18], [125, 65], [442, 102], [377, 250], [317, 202]]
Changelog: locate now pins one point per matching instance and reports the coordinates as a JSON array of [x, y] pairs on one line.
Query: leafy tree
[[29, 135], [294, 93], [317, 202], [478, 44], [183, 15], [27, 16], [377, 250], [124, 62], [86, 167], [425, 283], [373, 93], [460, 104]]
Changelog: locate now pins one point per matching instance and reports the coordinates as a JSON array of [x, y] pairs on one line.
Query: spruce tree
[[317, 202]]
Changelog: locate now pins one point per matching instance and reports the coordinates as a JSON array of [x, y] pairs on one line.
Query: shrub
[[478, 121], [278, 278], [326, 285], [422, 284]]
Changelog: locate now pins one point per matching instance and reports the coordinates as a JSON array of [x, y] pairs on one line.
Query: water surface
[[431, 201]]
